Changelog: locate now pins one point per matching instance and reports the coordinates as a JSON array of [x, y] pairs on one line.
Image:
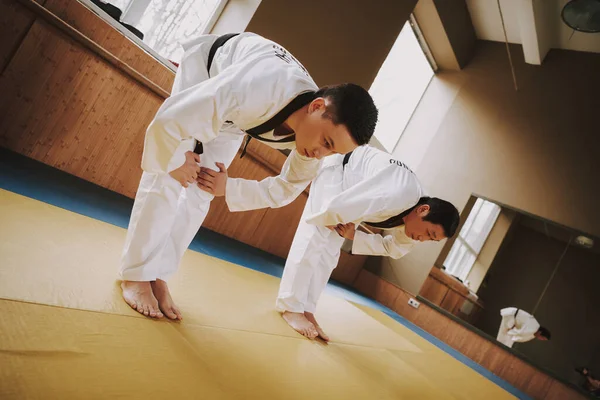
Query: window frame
[[412, 22], [457, 269]]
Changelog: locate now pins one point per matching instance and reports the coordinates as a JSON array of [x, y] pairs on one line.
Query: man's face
[[317, 136], [418, 229], [539, 336]]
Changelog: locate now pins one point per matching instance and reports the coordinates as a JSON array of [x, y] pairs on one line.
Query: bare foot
[[312, 319], [139, 296], [300, 324], [165, 302]]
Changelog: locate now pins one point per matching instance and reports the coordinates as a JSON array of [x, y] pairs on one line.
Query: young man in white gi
[[519, 326], [226, 87], [366, 185]]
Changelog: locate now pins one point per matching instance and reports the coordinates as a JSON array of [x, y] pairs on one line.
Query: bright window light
[[471, 238], [399, 86], [167, 23]]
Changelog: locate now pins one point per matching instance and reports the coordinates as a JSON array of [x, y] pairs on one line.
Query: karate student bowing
[[367, 186], [227, 87]]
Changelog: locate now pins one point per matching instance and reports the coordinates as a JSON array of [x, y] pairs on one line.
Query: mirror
[[505, 259]]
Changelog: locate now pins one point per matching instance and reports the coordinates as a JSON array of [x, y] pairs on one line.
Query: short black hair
[[441, 212], [352, 106], [544, 332]]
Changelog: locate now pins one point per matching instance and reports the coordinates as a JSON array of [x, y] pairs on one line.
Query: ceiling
[[536, 24]]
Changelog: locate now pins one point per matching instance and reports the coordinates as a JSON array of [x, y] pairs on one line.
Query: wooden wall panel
[[558, 391], [88, 23], [66, 107], [446, 292], [348, 268], [452, 302], [491, 356], [15, 21], [433, 290]]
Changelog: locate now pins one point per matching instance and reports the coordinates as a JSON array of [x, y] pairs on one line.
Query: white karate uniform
[[250, 80], [371, 187], [521, 328]]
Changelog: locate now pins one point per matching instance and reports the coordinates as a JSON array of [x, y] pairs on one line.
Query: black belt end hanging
[[199, 149], [246, 142]]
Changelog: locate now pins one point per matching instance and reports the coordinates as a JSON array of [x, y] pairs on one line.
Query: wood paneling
[[348, 268], [99, 31], [491, 356], [67, 108], [15, 21], [452, 302], [433, 290], [445, 291]]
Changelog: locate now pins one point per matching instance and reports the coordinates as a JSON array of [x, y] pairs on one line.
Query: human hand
[[344, 230], [213, 182], [188, 172]]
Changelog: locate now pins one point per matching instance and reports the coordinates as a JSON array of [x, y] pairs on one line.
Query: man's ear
[[317, 104], [423, 210]]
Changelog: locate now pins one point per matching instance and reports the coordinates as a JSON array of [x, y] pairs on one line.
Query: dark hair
[[352, 106], [441, 212], [544, 332]]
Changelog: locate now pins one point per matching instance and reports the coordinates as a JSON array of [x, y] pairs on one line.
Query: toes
[[323, 336], [155, 312], [309, 333], [146, 311], [170, 313], [313, 332], [177, 313], [306, 333]]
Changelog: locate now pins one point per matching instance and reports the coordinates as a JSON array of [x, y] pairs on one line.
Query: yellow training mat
[[59, 353], [53, 256], [66, 333]]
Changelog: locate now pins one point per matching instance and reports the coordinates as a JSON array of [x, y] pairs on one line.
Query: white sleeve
[[275, 191], [515, 331], [392, 188], [197, 112], [508, 311], [529, 326], [378, 245]]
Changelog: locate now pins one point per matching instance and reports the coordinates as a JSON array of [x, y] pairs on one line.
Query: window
[[167, 23], [471, 238], [400, 84]]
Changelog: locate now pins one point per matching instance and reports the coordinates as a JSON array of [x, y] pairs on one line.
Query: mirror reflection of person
[[591, 384], [519, 326]]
